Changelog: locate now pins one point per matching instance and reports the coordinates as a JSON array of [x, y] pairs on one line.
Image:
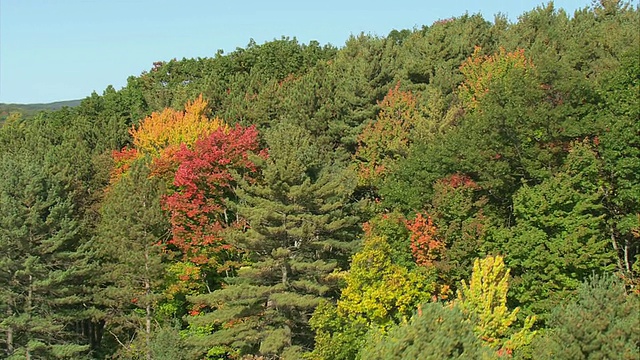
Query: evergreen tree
[[435, 332], [560, 234], [603, 322], [297, 232], [42, 273], [127, 244]]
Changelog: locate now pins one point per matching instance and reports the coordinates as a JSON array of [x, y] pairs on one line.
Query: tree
[[425, 244], [204, 180], [619, 150], [560, 234], [602, 322], [129, 245], [43, 267], [387, 138], [381, 292], [297, 229], [435, 332], [484, 302], [169, 129]]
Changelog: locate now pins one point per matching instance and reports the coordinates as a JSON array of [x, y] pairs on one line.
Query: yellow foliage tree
[[484, 301], [170, 128], [380, 291]]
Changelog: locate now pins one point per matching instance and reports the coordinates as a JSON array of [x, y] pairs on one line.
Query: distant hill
[[32, 109]]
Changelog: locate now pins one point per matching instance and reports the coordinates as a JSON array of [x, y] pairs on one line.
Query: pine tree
[[40, 283], [435, 332], [297, 217], [601, 323], [127, 245]]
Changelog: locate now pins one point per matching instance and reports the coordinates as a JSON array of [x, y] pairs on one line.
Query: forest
[[468, 189]]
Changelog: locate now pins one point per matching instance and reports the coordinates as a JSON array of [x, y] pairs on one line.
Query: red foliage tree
[[426, 246], [204, 179]]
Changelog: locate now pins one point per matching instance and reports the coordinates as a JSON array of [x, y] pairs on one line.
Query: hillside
[[464, 189], [29, 110]]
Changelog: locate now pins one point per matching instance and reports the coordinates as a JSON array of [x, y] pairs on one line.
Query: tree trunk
[[284, 274], [614, 242]]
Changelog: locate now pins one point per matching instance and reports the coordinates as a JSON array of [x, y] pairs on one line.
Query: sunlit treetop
[[170, 128], [481, 70]]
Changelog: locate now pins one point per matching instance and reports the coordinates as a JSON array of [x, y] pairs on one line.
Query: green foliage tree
[[297, 230], [560, 234], [128, 245], [42, 233], [435, 332], [619, 149], [602, 322]]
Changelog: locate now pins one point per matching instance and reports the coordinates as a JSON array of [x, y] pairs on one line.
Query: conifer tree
[[435, 332], [603, 322], [127, 245], [297, 222], [41, 265]]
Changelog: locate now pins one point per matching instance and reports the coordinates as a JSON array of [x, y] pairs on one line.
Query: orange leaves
[[122, 161], [200, 160], [386, 139], [171, 128], [426, 245], [161, 134], [481, 70]]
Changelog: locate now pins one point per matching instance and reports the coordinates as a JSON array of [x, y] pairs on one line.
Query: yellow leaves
[[170, 128], [378, 290], [486, 297], [484, 300], [161, 134], [385, 140]]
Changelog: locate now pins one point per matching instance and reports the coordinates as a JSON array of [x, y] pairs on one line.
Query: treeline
[[469, 189], [30, 110]]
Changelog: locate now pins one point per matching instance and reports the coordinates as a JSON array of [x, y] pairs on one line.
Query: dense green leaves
[[296, 233], [601, 323], [133, 226], [436, 332]]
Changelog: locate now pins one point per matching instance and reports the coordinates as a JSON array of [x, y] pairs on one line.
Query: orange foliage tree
[[388, 138], [170, 128], [481, 70], [162, 133], [426, 245], [198, 157]]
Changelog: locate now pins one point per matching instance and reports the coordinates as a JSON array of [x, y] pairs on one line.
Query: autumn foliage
[[199, 158], [386, 139], [426, 245], [481, 70], [169, 128], [204, 178]]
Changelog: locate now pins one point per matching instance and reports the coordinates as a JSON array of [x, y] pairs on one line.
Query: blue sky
[[66, 49]]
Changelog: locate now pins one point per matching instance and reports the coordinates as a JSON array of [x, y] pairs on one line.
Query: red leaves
[[426, 246], [122, 161], [204, 178], [458, 180], [200, 159]]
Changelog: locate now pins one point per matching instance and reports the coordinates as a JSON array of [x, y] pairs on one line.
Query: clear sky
[[52, 50]]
